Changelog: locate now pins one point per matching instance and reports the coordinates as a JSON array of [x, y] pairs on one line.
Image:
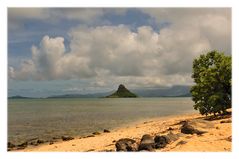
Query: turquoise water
[[47, 118]]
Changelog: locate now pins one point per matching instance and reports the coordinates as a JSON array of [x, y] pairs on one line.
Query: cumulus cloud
[[115, 50], [213, 24], [116, 54], [50, 61], [192, 31], [122, 53]]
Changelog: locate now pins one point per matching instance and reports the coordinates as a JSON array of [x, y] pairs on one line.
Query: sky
[[53, 51]]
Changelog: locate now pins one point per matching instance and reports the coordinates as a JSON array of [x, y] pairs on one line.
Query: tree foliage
[[212, 75]]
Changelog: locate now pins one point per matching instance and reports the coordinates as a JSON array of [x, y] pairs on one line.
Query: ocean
[[48, 118]]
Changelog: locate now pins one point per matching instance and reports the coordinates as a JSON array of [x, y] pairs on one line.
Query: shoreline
[[79, 124], [213, 140], [33, 142]]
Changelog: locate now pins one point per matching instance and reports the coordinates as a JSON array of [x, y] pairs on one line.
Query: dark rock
[[106, 131], [90, 136], [23, 145], [90, 150], [51, 143], [147, 139], [66, 138], [107, 150], [181, 122], [147, 143], [96, 133], [161, 141], [126, 144], [198, 132], [34, 143], [146, 147], [226, 121], [229, 138], [10, 145], [40, 141], [170, 128], [181, 142], [189, 129]]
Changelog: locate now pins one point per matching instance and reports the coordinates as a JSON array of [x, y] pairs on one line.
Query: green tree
[[212, 75]]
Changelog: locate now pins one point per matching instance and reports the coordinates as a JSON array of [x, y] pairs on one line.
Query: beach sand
[[217, 138]]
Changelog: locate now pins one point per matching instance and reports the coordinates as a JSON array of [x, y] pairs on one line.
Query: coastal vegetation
[[212, 90]]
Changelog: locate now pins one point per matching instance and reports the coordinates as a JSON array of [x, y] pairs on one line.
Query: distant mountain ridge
[[19, 97], [174, 91], [93, 95], [122, 92]]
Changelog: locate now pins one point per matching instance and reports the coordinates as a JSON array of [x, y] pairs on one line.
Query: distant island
[[122, 92], [18, 97], [173, 91], [93, 95]]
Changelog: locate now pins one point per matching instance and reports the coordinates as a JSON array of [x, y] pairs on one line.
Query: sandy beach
[[217, 138]]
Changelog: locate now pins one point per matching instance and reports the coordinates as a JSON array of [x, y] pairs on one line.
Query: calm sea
[[47, 118]]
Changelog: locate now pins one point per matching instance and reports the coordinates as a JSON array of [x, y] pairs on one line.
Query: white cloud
[[47, 56], [26, 72], [116, 54], [107, 53], [50, 62], [213, 24], [192, 31], [115, 49]]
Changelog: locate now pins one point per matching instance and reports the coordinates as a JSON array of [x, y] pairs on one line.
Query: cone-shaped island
[[122, 92]]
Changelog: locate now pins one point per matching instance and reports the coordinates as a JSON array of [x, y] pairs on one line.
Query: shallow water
[[47, 118]]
